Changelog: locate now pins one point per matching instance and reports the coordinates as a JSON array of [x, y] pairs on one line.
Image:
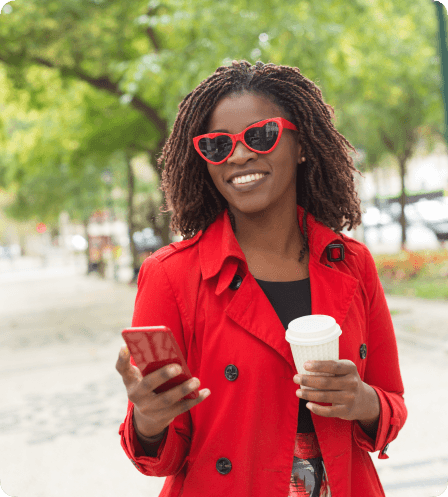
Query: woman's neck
[[267, 235]]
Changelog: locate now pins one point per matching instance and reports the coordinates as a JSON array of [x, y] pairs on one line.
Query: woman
[[261, 185]]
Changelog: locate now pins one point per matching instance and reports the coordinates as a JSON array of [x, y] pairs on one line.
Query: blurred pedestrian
[[261, 185]]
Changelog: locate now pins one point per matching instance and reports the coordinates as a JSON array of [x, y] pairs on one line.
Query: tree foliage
[[89, 79]]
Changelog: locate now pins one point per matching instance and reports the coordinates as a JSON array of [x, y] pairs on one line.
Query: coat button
[[236, 282], [231, 372], [363, 351], [223, 466], [385, 449]]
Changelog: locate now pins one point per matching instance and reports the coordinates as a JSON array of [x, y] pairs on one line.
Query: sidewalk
[[63, 400], [57, 263], [420, 321]]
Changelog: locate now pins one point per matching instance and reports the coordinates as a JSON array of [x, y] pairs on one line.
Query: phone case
[[152, 348]]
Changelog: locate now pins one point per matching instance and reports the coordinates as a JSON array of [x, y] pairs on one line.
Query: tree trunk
[[85, 223], [164, 231], [376, 182], [131, 224], [411, 140], [402, 161], [378, 200], [22, 243], [158, 222]]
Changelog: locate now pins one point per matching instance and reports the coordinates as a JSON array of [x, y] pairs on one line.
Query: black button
[[236, 282], [363, 351], [223, 465], [385, 449], [231, 372], [341, 252]]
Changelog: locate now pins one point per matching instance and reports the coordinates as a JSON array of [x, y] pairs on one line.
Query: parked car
[[10, 251], [147, 241], [373, 217], [394, 211], [418, 237], [433, 214]]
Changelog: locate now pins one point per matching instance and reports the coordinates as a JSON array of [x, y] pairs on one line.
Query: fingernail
[[308, 364], [175, 369], [206, 393], [125, 350]]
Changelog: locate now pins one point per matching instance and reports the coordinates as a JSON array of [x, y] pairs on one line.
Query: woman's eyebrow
[[225, 131]]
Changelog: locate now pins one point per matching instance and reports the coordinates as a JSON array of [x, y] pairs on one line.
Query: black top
[[291, 300]]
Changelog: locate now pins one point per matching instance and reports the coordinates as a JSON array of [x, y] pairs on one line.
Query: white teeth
[[248, 178]]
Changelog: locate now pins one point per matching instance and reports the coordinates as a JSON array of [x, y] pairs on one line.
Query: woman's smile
[[246, 186]]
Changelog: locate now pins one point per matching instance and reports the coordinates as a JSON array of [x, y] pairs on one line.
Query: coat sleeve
[[155, 305], [382, 368]]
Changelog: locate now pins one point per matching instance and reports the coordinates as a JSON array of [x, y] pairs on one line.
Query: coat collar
[[220, 252]]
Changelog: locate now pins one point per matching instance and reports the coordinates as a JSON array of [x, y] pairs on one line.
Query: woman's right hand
[[154, 412]]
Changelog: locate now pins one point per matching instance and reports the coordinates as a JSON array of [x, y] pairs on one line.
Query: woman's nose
[[241, 154]]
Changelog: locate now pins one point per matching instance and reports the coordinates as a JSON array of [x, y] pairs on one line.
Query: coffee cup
[[313, 338]]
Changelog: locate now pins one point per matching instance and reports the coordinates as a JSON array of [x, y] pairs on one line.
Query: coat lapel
[[332, 291]]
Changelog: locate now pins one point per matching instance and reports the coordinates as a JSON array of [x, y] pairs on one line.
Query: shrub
[[408, 265]]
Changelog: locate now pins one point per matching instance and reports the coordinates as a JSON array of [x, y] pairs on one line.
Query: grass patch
[[434, 289]]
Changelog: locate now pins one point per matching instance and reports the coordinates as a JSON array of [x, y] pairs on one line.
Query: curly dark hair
[[325, 182]]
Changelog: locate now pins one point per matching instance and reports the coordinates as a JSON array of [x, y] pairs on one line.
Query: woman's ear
[[300, 155]]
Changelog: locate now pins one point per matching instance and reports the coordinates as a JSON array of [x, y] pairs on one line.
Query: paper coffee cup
[[314, 337]]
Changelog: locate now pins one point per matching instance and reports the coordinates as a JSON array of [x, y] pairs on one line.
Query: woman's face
[[232, 115]]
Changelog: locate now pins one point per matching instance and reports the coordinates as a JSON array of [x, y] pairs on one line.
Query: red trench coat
[[219, 320]]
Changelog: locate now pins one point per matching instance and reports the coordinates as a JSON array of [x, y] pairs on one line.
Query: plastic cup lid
[[312, 330]]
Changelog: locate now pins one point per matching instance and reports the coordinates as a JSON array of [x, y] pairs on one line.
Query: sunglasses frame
[[239, 137]]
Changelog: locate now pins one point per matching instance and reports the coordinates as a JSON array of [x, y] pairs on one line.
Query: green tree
[[388, 99], [149, 56], [53, 170]]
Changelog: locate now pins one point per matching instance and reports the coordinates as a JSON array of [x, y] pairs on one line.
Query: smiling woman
[[261, 185]]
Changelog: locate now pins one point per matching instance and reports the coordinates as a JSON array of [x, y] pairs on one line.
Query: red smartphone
[[152, 348]]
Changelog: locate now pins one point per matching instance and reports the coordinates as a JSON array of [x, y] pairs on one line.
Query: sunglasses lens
[[215, 149], [262, 138]]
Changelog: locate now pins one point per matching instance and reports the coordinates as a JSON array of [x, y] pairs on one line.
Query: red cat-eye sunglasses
[[261, 137]]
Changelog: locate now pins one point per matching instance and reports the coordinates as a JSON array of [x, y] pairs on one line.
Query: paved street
[[63, 401]]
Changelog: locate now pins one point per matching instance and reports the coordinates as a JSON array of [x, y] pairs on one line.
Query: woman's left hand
[[351, 398]]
